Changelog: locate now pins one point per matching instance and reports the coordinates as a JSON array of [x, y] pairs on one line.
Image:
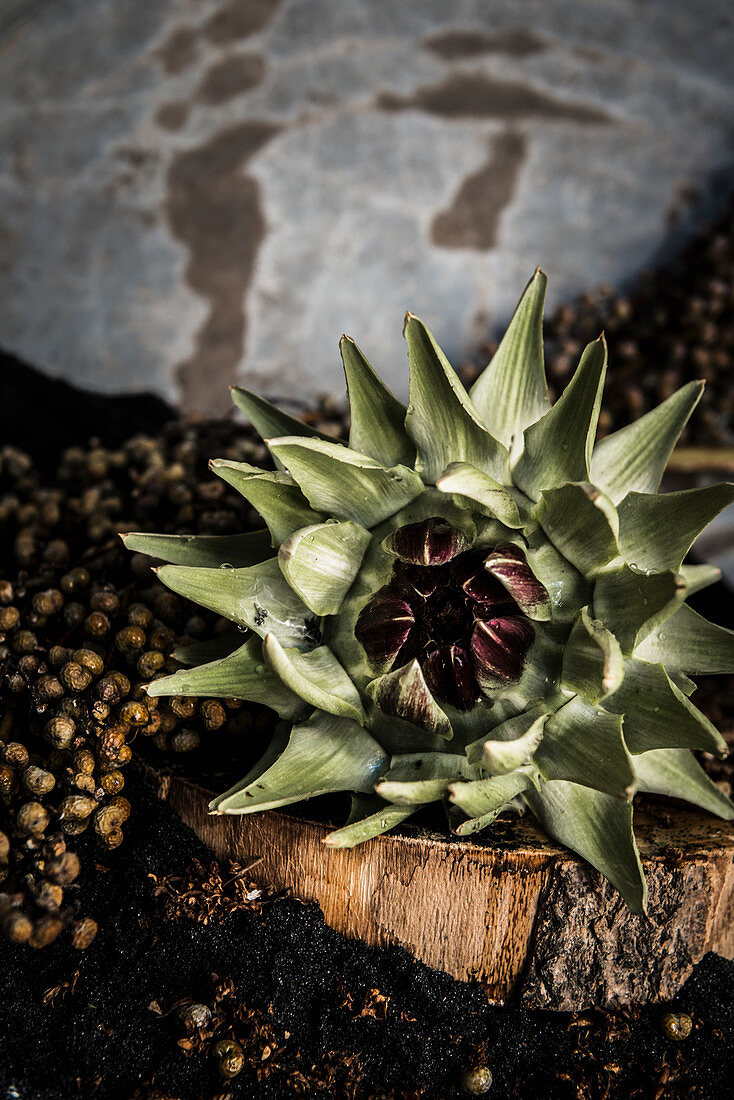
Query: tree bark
[[516, 912]]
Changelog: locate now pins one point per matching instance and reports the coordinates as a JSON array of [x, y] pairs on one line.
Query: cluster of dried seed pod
[[83, 627]]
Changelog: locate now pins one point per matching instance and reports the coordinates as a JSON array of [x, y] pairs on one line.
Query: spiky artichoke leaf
[[416, 778], [689, 643], [377, 417], [658, 715], [674, 772], [343, 484], [267, 419], [632, 604], [567, 588], [370, 817], [326, 753], [441, 419], [321, 561], [316, 677], [243, 675], [274, 494], [697, 577], [511, 393], [634, 458], [480, 797], [500, 757], [258, 597], [202, 550], [557, 448], [585, 744], [657, 531], [582, 524], [477, 491], [509, 730], [599, 827], [221, 645], [593, 665]]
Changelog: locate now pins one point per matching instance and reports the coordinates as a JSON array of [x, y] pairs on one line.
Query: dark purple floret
[[460, 612]]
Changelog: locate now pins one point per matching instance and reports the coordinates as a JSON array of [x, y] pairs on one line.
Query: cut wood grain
[[514, 911]]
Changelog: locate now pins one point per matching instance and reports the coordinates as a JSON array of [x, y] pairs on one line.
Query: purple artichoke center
[[459, 612]]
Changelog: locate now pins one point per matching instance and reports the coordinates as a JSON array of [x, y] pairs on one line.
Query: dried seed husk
[[83, 932], [17, 927], [32, 819]]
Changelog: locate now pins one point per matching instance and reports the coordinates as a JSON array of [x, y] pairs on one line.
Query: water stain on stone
[[472, 220], [214, 210], [231, 77], [179, 50], [238, 19], [514, 42], [470, 95], [172, 116]]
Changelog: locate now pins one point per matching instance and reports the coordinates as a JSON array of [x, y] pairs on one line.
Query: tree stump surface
[[518, 913]]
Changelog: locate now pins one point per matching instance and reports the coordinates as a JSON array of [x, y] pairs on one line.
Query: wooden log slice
[[513, 910]]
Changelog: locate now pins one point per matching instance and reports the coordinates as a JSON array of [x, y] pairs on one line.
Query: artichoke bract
[[474, 602]]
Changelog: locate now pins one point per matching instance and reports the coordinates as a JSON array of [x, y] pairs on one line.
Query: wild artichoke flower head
[[473, 603]]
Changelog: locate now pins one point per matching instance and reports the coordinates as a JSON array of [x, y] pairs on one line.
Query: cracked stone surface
[[200, 192]]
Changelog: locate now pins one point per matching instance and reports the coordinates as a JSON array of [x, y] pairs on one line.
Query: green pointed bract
[[327, 753], [242, 675], [689, 643], [375, 817], [631, 603], [267, 419], [658, 715], [598, 827], [273, 494], [558, 447], [417, 778], [634, 458], [511, 730], [489, 796], [377, 418], [346, 485], [503, 757], [405, 694], [441, 420], [315, 677], [593, 665], [320, 563], [477, 490], [203, 550], [656, 532], [472, 604], [512, 393], [674, 772], [580, 522], [213, 649], [584, 744], [258, 597], [696, 577]]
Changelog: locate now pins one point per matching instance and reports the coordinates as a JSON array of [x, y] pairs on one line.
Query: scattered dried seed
[[476, 1080], [83, 932], [676, 1025], [228, 1057]]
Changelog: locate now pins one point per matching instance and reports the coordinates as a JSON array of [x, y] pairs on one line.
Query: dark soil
[[315, 1014]]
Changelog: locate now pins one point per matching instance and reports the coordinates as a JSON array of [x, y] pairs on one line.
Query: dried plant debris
[[209, 892]]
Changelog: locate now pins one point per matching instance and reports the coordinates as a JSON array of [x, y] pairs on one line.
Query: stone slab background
[[198, 192]]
